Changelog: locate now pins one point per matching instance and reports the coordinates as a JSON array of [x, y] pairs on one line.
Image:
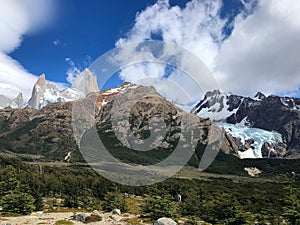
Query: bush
[[92, 218], [21, 203]]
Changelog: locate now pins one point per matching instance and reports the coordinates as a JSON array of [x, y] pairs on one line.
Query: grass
[[10, 214], [65, 210], [134, 221], [63, 222], [193, 173]]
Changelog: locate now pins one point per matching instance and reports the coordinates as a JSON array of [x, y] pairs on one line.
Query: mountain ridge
[[271, 113], [45, 92]]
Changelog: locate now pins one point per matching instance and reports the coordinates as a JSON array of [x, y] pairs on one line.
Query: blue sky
[[249, 45], [84, 30]]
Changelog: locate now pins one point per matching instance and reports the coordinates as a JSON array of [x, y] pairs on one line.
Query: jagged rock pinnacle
[[41, 80]]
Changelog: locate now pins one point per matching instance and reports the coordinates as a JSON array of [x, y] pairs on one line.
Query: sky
[[249, 45]]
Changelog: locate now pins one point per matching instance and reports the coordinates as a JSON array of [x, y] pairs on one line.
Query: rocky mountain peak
[[86, 82], [42, 80], [45, 92], [259, 96], [213, 93], [17, 102]]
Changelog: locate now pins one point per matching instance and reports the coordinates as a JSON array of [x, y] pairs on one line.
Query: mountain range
[[258, 127], [270, 113], [44, 92]]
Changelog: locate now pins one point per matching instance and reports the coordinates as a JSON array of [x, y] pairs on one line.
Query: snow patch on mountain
[[260, 137], [290, 102]]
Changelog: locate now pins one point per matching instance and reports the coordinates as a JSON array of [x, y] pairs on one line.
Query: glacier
[[260, 136]]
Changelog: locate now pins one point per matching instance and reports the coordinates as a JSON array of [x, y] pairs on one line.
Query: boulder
[[96, 213], [80, 217], [116, 212], [249, 143], [164, 221]]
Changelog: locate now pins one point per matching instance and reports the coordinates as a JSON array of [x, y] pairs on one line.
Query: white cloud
[[56, 42], [17, 18], [73, 71], [197, 27], [14, 78], [262, 53]]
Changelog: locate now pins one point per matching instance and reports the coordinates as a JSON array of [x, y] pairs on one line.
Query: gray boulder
[[80, 217], [116, 212], [164, 221]]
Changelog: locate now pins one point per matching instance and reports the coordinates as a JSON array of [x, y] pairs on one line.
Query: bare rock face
[[86, 82], [37, 93], [274, 151], [42, 80], [19, 101]]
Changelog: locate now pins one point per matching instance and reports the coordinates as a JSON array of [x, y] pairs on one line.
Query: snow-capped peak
[[214, 106], [45, 92], [259, 96]]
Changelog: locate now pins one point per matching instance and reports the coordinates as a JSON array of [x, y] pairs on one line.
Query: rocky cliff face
[[272, 113], [86, 82], [48, 133], [45, 133]]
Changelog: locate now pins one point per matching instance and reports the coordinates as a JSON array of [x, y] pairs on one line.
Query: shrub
[[93, 218], [21, 203]]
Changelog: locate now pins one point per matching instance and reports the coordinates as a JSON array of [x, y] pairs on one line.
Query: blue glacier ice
[[260, 136]]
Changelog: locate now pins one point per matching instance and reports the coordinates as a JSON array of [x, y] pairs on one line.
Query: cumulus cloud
[[261, 54], [197, 27], [17, 18], [14, 78]]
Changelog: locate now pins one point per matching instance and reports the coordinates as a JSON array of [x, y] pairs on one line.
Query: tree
[[292, 207], [21, 203], [8, 180], [114, 200], [157, 206], [224, 208]]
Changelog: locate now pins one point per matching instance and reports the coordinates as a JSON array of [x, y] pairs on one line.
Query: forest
[[24, 188]]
